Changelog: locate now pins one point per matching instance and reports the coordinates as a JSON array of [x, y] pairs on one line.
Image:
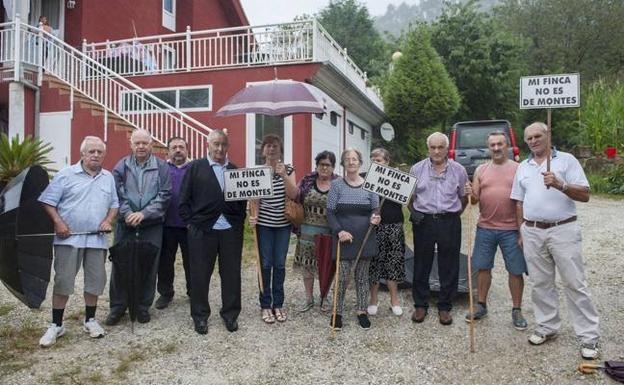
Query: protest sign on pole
[[248, 183], [550, 91], [390, 183]]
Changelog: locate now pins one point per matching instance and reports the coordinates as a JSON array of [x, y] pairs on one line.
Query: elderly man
[[80, 198], [551, 238], [436, 206], [144, 189], [497, 227], [215, 228], [174, 234]]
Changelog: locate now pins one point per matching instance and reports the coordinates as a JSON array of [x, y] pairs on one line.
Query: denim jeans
[[273, 245]]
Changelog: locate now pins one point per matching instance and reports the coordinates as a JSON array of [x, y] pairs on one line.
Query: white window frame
[[250, 140], [169, 18], [177, 99]]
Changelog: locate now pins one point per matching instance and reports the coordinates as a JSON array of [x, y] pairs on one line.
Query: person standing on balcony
[[497, 227], [551, 238], [215, 228], [80, 198], [438, 201], [174, 233], [273, 230], [144, 190]]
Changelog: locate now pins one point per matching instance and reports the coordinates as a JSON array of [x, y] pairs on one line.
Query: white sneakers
[[589, 351], [94, 329], [396, 310], [50, 336]]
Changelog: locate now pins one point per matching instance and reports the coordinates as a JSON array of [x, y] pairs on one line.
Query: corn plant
[[16, 155], [602, 115]]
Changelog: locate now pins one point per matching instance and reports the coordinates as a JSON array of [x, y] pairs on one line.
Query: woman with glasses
[[350, 212], [312, 194]]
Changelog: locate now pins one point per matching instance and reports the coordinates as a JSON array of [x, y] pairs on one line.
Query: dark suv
[[468, 142]]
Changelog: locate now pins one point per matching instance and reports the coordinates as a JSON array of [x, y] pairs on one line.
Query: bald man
[[144, 189]]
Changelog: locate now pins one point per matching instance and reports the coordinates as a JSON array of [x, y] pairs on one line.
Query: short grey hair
[[540, 125], [382, 152], [140, 131], [439, 135], [348, 150], [216, 133], [90, 139]]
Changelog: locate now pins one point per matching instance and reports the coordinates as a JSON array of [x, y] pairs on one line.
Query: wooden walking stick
[[336, 288], [370, 228], [471, 310], [253, 211]]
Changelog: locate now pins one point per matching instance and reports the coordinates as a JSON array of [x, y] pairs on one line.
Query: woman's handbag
[[293, 212]]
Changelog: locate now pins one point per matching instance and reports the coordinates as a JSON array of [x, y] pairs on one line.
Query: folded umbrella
[[615, 369], [25, 262], [325, 265], [133, 259]]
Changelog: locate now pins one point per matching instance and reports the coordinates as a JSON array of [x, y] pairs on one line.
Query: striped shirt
[[271, 212]]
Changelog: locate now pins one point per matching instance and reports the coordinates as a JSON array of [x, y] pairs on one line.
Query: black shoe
[[113, 318], [231, 325], [162, 302], [143, 317], [364, 321], [201, 326], [338, 324]]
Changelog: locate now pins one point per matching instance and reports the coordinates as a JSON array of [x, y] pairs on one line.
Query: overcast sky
[[278, 11]]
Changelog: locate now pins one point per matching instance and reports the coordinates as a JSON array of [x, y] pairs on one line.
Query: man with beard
[[174, 233]]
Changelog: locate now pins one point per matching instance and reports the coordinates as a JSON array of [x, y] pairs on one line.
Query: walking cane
[[370, 228], [336, 288], [472, 338], [253, 210]]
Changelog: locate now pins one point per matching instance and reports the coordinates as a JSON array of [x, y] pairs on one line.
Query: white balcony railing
[[23, 46], [288, 43]]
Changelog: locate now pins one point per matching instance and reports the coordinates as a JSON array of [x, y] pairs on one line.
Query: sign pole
[[253, 211], [549, 137]]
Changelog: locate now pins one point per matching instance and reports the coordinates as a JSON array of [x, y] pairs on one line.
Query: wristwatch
[[564, 186]]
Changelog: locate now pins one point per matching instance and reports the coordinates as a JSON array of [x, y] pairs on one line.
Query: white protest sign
[[248, 183], [390, 183], [550, 91]]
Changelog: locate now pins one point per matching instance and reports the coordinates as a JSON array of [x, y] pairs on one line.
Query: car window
[[475, 137]]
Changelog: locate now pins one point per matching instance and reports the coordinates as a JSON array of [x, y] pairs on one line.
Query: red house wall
[[225, 83], [98, 20], [29, 111]]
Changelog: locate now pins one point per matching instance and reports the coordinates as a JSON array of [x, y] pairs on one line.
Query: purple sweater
[[172, 219]]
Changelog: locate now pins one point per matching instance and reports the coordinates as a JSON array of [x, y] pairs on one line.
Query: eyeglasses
[[324, 165]]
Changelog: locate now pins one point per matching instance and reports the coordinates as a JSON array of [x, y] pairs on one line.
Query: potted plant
[[15, 156]]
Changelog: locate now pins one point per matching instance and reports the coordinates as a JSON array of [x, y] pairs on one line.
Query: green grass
[[5, 309], [16, 346]]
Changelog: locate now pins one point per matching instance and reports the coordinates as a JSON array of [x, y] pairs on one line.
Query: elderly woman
[[389, 263], [273, 231], [350, 212], [312, 194]]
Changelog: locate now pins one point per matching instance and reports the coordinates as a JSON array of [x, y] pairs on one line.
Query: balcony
[[268, 45]]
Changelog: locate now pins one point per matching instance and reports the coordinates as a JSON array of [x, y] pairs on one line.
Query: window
[[362, 134], [333, 118], [319, 116], [351, 125], [169, 14], [266, 125], [195, 98]]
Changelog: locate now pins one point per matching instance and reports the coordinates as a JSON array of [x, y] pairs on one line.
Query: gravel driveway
[[302, 351]]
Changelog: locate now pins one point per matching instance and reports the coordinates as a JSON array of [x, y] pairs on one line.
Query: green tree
[[485, 61], [569, 35], [418, 94], [350, 24]]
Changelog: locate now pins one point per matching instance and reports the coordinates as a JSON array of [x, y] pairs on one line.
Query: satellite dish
[[387, 132]]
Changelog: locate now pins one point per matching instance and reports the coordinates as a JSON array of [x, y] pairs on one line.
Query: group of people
[[526, 209]]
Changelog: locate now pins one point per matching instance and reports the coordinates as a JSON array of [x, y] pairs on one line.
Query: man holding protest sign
[[497, 227], [436, 206], [214, 227], [551, 238]]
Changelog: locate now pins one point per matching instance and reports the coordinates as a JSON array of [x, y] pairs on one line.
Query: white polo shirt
[[542, 204]]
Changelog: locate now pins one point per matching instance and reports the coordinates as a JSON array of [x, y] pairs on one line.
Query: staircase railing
[[117, 95]]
